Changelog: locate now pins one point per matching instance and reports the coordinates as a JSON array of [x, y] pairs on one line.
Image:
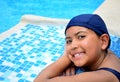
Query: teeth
[[76, 55]]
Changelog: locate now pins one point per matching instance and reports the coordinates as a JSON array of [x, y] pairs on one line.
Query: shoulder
[[112, 61]]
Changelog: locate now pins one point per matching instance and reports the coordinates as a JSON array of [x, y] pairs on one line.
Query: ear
[[104, 41]]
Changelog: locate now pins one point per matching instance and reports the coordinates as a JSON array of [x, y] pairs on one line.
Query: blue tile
[[14, 34], [33, 75], [1, 61], [12, 69], [6, 67], [31, 56], [17, 70], [31, 63], [36, 65], [3, 70], [4, 58], [28, 66], [43, 63], [26, 69], [19, 75], [2, 79], [21, 68], [21, 80]]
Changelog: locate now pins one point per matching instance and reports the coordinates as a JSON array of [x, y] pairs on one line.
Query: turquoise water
[[12, 10]]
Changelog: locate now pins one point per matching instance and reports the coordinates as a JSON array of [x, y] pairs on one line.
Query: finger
[[72, 71], [68, 72], [63, 74]]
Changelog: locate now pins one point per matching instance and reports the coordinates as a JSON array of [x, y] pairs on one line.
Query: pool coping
[[109, 11], [35, 20]]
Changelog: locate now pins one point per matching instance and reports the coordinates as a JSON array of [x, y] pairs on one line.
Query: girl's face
[[83, 46]]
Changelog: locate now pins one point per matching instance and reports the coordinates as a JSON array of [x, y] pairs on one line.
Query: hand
[[69, 71]]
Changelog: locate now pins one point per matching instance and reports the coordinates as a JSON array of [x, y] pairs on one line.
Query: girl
[[87, 43]]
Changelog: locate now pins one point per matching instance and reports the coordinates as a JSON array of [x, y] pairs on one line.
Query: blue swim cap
[[90, 21]]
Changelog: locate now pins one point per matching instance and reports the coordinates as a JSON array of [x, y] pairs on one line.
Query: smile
[[79, 55]]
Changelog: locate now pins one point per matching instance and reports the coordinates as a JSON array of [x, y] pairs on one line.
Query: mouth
[[78, 55]]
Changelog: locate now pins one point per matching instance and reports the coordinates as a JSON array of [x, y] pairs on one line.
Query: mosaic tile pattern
[[115, 45], [26, 52]]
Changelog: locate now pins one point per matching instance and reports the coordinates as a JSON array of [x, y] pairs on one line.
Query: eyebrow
[[76, 34]]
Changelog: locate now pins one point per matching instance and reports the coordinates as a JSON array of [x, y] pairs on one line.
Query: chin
[[78, 65]]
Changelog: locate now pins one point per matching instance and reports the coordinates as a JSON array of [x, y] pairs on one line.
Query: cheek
[[92, 45], [88, 43], [92, 50]]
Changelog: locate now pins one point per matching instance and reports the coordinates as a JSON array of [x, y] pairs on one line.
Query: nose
[[74, 45]]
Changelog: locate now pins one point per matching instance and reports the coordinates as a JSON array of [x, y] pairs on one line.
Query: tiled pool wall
[[26, 52]]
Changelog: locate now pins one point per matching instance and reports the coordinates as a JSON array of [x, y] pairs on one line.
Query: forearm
[[53, 70]]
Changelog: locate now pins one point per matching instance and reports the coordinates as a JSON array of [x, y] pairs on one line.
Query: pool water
[[12, 10], [29, 50]]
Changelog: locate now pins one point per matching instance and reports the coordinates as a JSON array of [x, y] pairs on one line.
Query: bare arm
[[52, 72], [95, 76], [54, 69]]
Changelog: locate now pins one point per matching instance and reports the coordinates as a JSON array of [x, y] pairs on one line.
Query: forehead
[[75, 29]]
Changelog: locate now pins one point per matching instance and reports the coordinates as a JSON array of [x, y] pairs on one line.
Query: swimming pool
[[29, 50], [12, 10], [25, 52]]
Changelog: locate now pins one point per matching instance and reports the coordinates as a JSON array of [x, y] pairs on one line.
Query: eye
[[68, 41], [81, 36]]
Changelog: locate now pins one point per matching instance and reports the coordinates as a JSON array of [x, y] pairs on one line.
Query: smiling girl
[[87, 43]]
